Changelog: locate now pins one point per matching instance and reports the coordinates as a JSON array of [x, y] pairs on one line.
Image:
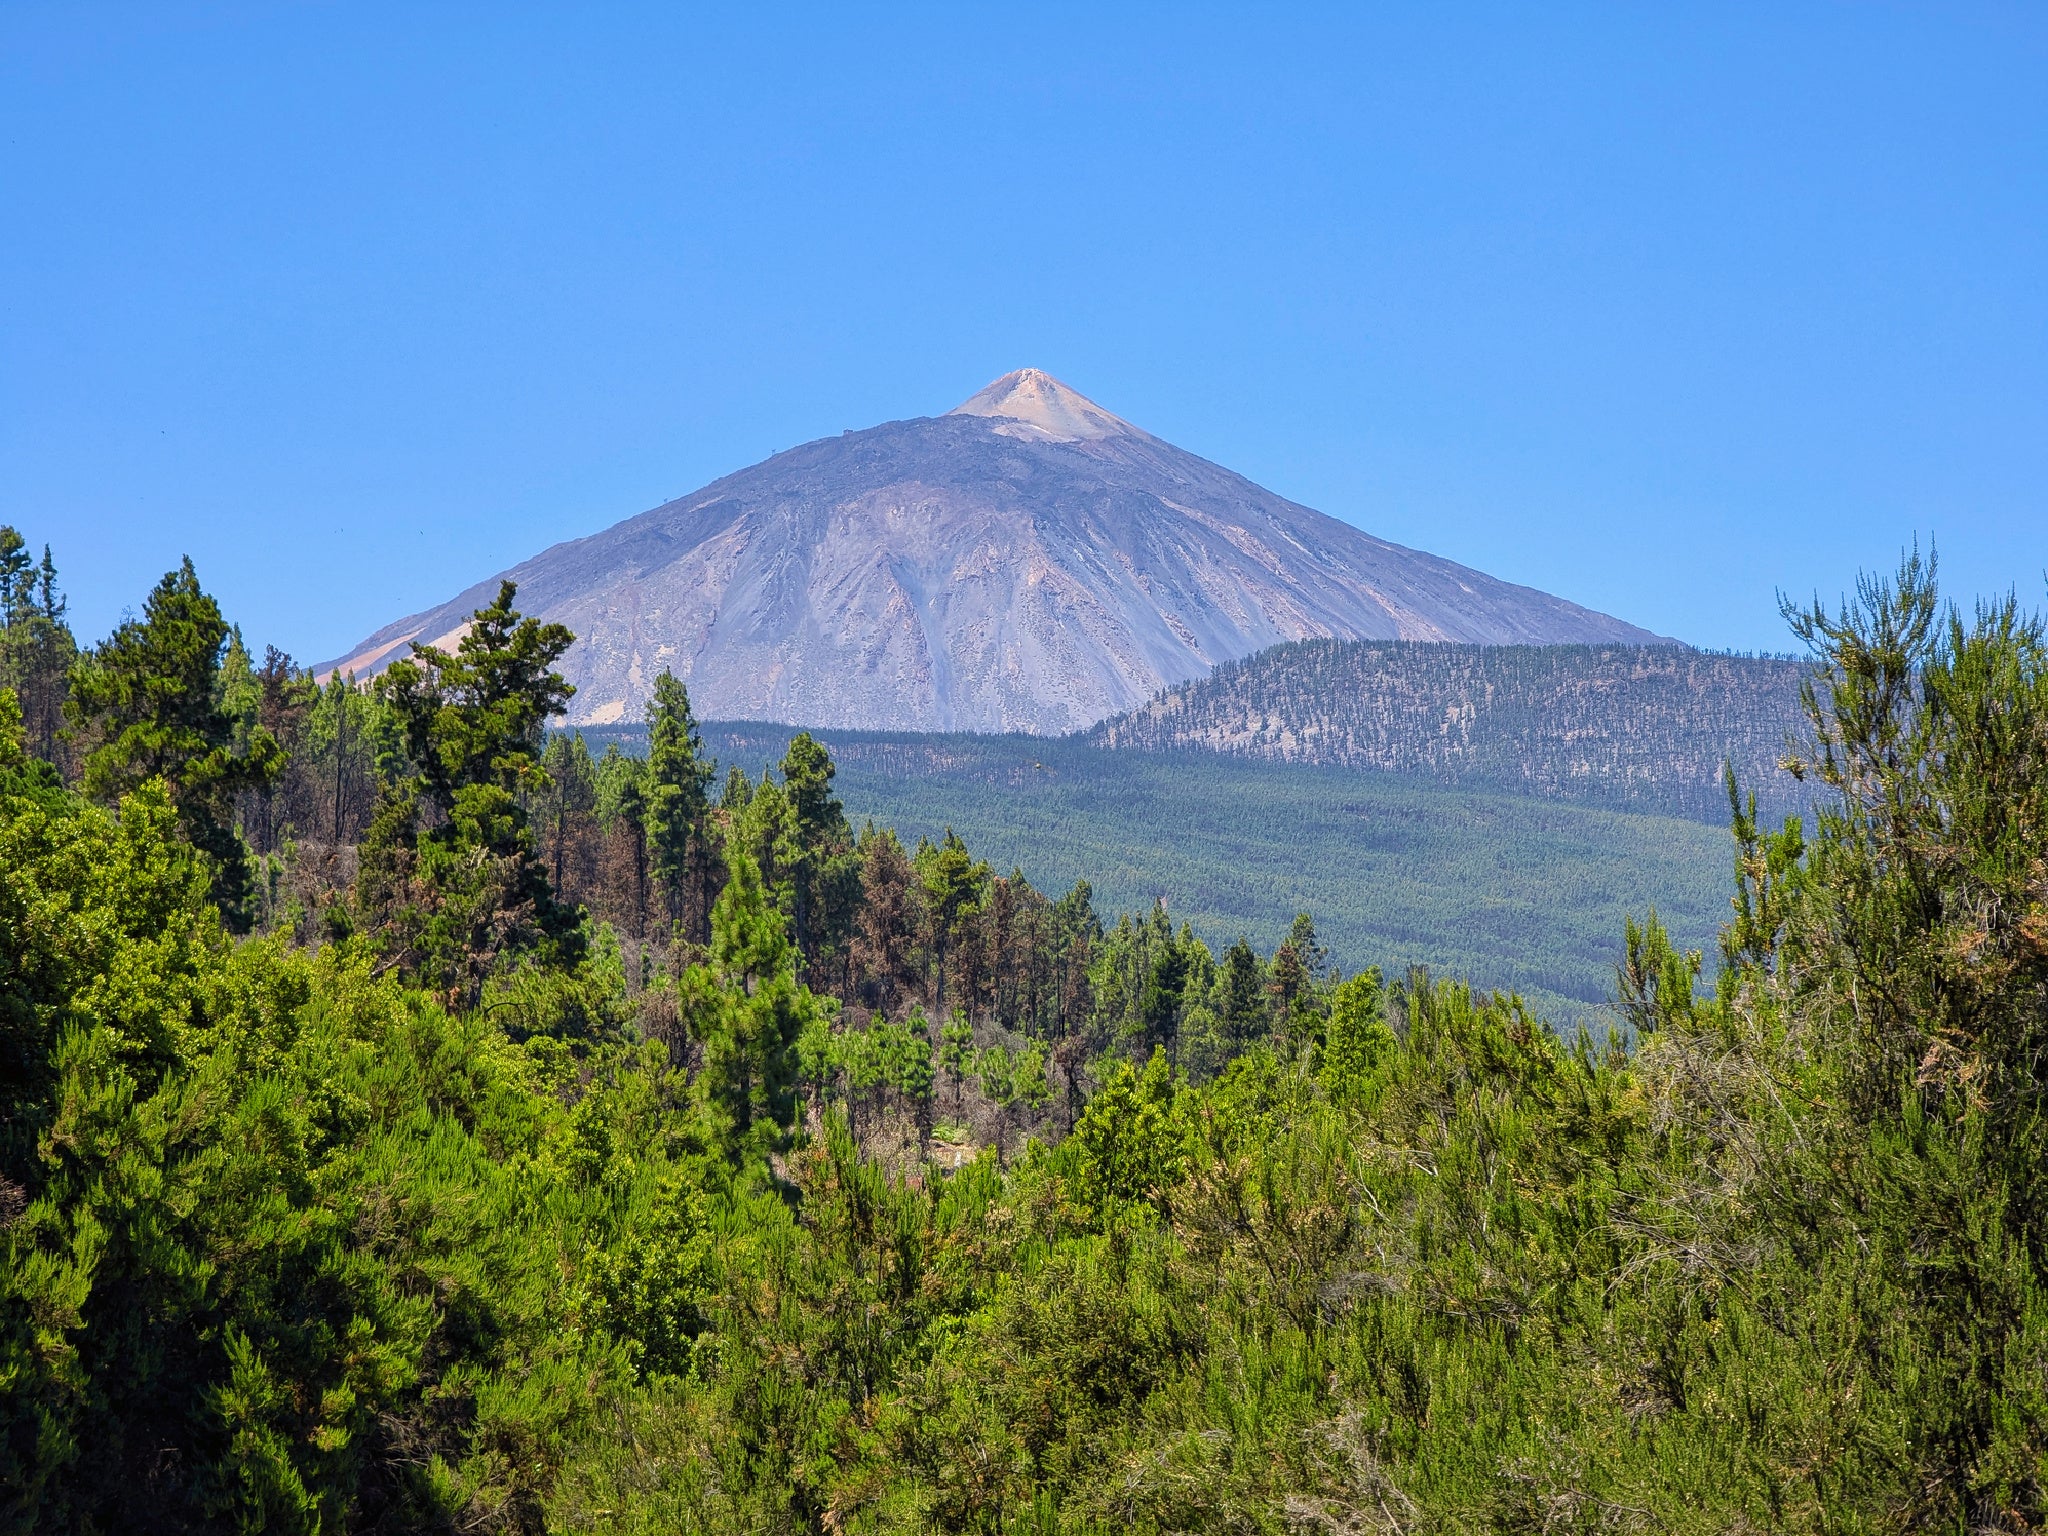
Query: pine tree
[[678, 789], [1357, 1038], [956, 1048], [747, 1008], [36, 647], [1300, 968], [1159, 1012], [912, 1075], [738, 790], [822, 868], [622, 815], [568, 807], [1243, 1009], [886, 938], [149, 699], [954, 884], [451, 879]]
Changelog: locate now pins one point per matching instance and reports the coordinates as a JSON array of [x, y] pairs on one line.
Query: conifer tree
[[748, 1010], [679, 778], [622, 813], [823, 868], [911, 1072], [1357, 1038], [147, 698], [339, 760], [1300, 967], [451, 879], [1243, 1010], [885, 942], [567, 805], [36, 646], [738, 790], [956, 1047], [1159, 1012], [954, 883]]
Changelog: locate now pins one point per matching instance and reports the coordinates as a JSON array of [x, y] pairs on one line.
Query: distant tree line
[[1632, 727]]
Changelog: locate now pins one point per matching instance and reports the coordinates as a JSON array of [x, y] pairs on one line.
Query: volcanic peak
[[1035, 405]]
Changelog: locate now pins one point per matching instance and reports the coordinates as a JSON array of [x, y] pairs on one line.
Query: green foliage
[[910, 1070], [1505, 890], [824, 867], [652, 1288], [677, 793], [452, 888], [473, 718], [37, 650], [956, 1045], [290, 1244], [564, 808], [1126, 1150], [1444, 1271], [1242, 1009], [285, 1242], [1654, 982], [1357, 1039], [1159, 1008], [748, 1010], [955, 886], [148, 700]]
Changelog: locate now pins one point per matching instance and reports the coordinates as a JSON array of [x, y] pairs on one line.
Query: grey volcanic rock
[[1026, 562]]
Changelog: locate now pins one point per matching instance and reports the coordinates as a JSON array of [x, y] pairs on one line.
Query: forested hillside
[[411, 1123], [1632, 727], [1504, 891]]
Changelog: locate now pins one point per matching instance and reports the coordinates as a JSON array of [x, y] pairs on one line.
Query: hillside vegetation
[[574, 1144], [1508, 892], [1632, 727]]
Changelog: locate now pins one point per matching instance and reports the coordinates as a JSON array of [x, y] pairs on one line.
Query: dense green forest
[[408, 1122], [1503, 891], [1645, 728]]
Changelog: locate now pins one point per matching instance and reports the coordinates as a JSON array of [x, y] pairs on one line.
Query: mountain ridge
[[1028, 561], [1638, 728]]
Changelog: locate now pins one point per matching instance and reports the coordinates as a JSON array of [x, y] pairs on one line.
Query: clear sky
[[1660, 308]]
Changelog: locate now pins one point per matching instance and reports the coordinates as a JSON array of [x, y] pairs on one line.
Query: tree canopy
[[467, 1192]]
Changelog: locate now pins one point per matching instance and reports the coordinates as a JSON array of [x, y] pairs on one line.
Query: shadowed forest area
[[410, 1120]]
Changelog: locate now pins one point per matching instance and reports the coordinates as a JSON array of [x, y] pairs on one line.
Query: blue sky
[[1660, 308]]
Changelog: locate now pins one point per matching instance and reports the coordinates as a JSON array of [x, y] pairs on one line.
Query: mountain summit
[[1030, 404], [1026, 562]]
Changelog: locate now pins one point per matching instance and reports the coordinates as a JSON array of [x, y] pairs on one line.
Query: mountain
[[1637, 727], [1026, 562]]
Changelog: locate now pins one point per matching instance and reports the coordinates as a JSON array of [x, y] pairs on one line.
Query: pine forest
[[415, 1118], [1648, 727]]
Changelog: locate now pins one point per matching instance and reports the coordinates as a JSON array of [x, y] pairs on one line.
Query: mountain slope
[[1645, 727], [1028, 561]]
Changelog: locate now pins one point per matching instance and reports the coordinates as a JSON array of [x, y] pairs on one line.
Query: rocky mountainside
[[1026, 562], [1636, 727]]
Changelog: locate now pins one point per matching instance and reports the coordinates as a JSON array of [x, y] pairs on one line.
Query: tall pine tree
[[148, 701], [678, 803], [36, 647], [451, 881], [746, 1007]]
